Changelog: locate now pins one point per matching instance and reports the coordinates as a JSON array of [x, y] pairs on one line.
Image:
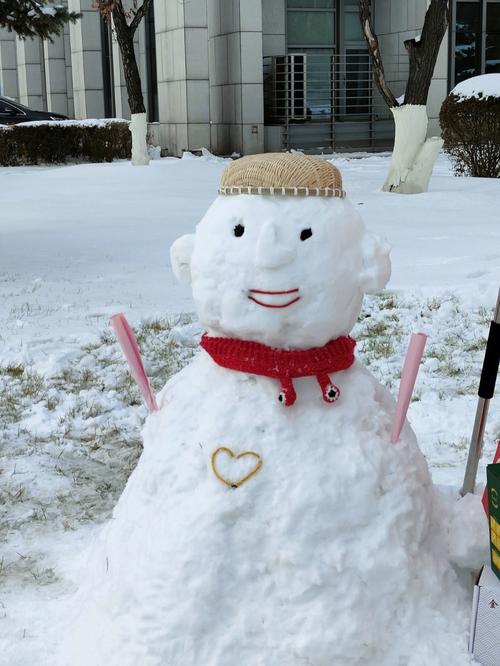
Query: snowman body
[[314, 560], [329, 554]]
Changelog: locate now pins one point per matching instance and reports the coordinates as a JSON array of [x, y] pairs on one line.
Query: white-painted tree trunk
[[413, 157], [139, 129]]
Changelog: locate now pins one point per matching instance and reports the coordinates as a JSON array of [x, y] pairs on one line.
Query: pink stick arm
[[130, 350], [408, 378], [485, 494]]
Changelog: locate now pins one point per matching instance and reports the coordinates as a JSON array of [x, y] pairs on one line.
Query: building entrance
[[321, 90]]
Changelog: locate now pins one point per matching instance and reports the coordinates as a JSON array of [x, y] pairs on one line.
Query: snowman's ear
[[376, 269], [180, 257]]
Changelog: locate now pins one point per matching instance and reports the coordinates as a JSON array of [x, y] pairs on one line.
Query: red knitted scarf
[[283, 364]]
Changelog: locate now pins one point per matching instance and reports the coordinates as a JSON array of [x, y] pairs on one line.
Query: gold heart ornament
[[231, 454]]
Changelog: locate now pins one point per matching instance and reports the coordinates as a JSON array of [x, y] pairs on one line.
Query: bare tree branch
[[139, 15], [124, 32], [374, 51]]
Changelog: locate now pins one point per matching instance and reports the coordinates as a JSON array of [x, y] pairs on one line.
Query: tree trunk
[[138, 124], [423, 53], [413, 157], [125, 38]]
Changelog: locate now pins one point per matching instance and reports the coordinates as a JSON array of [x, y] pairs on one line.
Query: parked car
[[12, 112]]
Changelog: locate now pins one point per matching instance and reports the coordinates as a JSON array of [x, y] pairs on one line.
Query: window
[[152, 78], [338, 73], [352, 26], [492, 56], [476, 38], [310, 28], [9, 111], [467, 61], [358, 82], [107, 69], [310, 4]]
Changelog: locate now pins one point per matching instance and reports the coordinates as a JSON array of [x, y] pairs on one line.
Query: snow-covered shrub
[[55, 142], [470, 123]]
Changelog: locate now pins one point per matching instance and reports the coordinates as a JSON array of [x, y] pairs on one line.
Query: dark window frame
[[480, 40], [108, 79], [151, 68]]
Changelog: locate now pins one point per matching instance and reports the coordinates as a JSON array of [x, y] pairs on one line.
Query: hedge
[[56, 142], [471, 132]]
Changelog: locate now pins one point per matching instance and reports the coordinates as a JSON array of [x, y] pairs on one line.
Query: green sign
[[493, 475]]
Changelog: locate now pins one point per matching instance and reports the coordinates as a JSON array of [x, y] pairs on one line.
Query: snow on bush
[[485, 85], [57, 141], [470, 123], [86, 122]]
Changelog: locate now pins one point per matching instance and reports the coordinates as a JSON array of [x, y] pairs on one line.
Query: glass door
[[354, 77], [337, 72], [311, 29]]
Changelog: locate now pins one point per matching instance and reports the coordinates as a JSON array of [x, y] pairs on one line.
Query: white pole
[[486, 391]]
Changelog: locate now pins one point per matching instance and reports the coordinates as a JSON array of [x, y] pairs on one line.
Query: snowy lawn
[[79, 243]]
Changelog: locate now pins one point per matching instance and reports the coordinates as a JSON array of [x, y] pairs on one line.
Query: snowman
[[270, 521]]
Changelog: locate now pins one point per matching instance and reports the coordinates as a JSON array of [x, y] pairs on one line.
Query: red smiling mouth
[[274, 299]]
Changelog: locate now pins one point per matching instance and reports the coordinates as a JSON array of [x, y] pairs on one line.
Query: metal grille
[[325, 101], [285, 81]]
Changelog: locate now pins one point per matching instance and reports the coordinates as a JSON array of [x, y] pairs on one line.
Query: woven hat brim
[[284, 191]]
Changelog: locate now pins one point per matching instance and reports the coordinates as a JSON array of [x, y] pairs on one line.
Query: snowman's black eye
[[239, 230], [305, 234]]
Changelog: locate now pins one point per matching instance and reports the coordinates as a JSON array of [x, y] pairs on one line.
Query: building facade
[[250, 75]]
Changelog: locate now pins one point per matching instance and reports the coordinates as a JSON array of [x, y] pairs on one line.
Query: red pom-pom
[[330, 392]]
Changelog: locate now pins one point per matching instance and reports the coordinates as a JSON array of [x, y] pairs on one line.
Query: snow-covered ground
[[79, 243]]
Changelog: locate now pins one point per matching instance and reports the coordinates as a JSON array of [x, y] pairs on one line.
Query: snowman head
[[281, 257]]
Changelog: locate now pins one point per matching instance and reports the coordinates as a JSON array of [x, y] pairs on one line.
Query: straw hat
[[285, 174]]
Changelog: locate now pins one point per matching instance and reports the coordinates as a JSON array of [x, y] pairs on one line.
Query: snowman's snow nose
[[270, 251]]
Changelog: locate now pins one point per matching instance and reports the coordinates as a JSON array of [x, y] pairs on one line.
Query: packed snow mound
[[206, 156], [469, 533], [485, 85], [332, 553]]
